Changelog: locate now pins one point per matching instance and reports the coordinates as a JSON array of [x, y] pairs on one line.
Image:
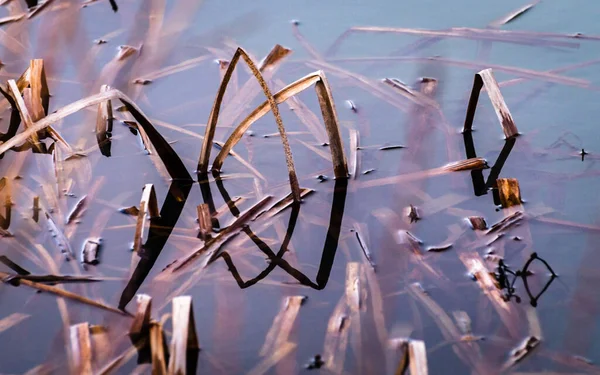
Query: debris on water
[[100, 41], [90, 251], [295, 22], [142, 81], [351, 106], [78, 210], [477, 222], [133, 210], [439, 248], [322, 178], [509, 191], [521, 351], [367, 171], [391, 147], [363, 245], [583, 153], [250, 133], [517, 238], [412, 213], [507, 222], [315, 363]]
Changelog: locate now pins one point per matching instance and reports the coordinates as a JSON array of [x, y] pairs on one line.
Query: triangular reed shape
[[214, 116], [486, 78], [340, 167]]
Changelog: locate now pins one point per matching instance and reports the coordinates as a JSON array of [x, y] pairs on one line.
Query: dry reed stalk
[[12, 320], [336, 338], [159, 364], [80, 349], [141, 320], [62, 293], [24, 112], [476, 266], [279, 333], [204, 221], [513, 15], [461, 33], [214, 116], [509, 191], [148, 208], [417, 357], [486, 78], [184, 336]]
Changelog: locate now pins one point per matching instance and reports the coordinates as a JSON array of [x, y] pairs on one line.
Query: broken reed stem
[[24, 112], [509, 192], [159, 364], [204, 221], [148, 207], [81, 349], [417, 357], [214, 116], [141, 320], [184, 334], [328, 110], [486, 78]]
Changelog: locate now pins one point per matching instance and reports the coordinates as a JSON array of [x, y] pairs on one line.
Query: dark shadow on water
[[276, 259]]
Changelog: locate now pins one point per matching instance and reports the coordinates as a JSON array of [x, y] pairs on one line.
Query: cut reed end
[[509, 191]]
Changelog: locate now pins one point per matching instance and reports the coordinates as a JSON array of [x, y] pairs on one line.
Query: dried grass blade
[[513, 15], [204, 221], [417, 357], [81, 349], [184, 334], [214, 114], [283, 323], [276, 54], [148, 207], [141, 320], [12, 320], [24, 112]]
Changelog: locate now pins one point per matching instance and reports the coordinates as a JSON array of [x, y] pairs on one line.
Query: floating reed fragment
[[80, 353], [363, 246], [507, 222], [509, 191], [184, 339], [204, 221], [521, 351], [140, 327], [148, 207], [78, 210], [279, 333], [486, 78], [60, 239], [466, 165], [90, 251], [477, 222], [513, 15], [417, 357], [327, 109]]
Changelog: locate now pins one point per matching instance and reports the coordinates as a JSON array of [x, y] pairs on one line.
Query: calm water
[[556, 122]]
